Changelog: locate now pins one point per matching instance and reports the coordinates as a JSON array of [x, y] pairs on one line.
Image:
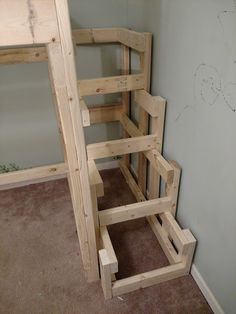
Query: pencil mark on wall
[[227, 21], [182, 112], [208, 87]]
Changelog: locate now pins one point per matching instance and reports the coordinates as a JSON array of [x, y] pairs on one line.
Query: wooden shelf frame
[[177, 244], [52, 34]]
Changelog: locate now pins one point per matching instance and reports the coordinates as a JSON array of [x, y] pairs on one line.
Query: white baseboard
[[108, 165], [214, 304]]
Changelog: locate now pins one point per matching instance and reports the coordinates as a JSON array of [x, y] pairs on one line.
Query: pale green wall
[[200, 136], [28, 129], [194, 68]]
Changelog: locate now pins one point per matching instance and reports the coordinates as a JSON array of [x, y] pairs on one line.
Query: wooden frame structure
[[51, 32]]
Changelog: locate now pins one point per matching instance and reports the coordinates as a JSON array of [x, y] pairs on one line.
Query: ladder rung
[[109, 85], [134, 211], [121, 147]]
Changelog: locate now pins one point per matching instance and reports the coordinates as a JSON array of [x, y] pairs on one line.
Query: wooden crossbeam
[[95, 178], [95, 36], [148, 102], [121, 147], [107, 245], [134, 211], [124, 36], [109, 85], [148, 279], [105, 113], [23, 55], [30, 176]]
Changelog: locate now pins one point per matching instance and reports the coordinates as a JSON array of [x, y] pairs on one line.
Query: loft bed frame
[[20, 31]]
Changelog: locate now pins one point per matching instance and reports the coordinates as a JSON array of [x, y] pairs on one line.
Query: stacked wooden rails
[[51, 33]]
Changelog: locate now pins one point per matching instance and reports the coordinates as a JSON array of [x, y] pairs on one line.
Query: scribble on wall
[[208, 87]]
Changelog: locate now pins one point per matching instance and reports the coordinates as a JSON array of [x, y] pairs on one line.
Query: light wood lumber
[[109, 85], [145, 61], [164, 240], [131, 182], [188, 251], [120, 147], [107, 245], [25, 22], [62, 62], [157, 161], [95, 178], [105, 113], [132, 39], [85, 113], [148, 279], [31, 176], [126, 95], [23, 55], [106, 278], [134, 211], [157, 128], [148, 102], [95, 36], [172, 190]]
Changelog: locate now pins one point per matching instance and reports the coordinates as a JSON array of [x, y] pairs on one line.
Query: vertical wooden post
[[106, 276], [62, 63], [145, 60], [126, 95], [172, 190], [157, 128]]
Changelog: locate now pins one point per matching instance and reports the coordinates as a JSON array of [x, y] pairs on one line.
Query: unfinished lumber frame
[[53, 38], [51, 29]]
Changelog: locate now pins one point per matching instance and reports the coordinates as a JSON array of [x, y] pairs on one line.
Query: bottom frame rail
[[148, 279]]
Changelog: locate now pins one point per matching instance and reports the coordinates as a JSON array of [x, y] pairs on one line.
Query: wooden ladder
[[177, 244], [51, 32]]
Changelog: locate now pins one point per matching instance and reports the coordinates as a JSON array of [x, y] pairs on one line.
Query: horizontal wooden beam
[[95, 178], [134, 211], [105, 113], [95, 36], [107, 245], [123, 36], [155, 158], [148, 279], [31, 176], [121, 147], [109, 85], [23, 55], [148, 102]]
